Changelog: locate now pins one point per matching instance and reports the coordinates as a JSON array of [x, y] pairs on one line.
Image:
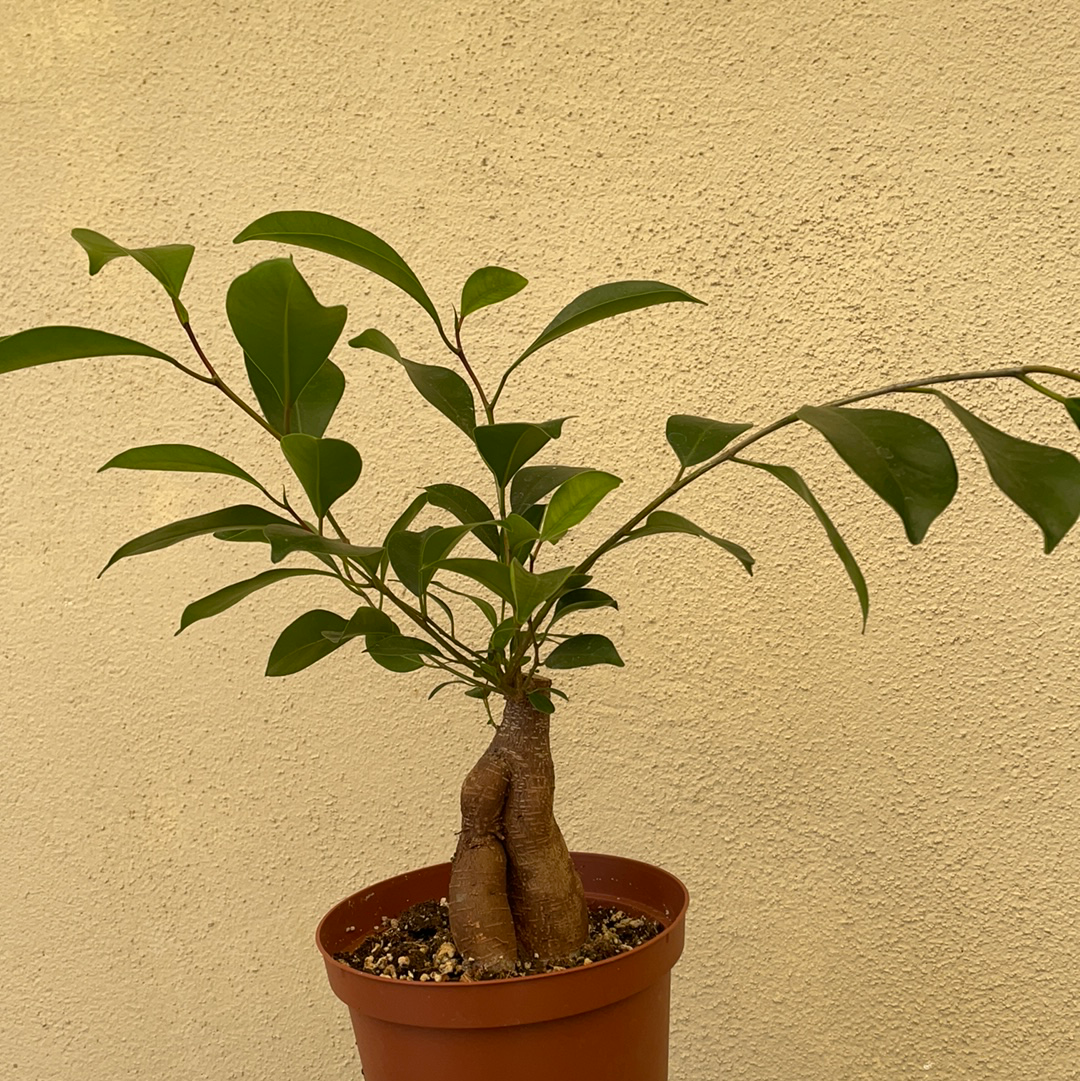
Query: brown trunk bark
[[513, 890]]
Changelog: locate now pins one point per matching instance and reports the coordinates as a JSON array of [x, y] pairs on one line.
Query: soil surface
[[418, 946]]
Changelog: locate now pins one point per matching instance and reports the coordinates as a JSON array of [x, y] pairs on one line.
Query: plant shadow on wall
[[515, 894]]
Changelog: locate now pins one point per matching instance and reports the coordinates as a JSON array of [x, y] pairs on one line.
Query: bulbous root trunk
[[513, 889]]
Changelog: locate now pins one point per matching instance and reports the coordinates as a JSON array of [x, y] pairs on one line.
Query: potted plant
[[472, 588]]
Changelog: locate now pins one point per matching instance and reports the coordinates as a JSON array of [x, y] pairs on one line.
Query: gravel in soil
[[417, 945]]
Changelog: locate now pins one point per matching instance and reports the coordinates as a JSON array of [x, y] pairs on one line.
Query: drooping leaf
[[284, 331], [467, 508], [489, 285], [574, 500], [541, 702], [507, 447], [215, 603], [1042, 481], [303, 642], [325, 233], [531, 590], [697, 439], [48, 345], [286, 538], [578, 600], [442, 686], [442, 387], [491, 574], [327, 468], [787, 476], [902, 458], [168, 263], [663, 521], [583, 650], [533, 482], [178, 457], [242, 516]]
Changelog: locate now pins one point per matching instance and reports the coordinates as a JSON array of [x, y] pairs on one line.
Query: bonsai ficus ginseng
[[497, 553]]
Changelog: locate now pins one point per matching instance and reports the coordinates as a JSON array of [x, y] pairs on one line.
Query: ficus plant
[[497, 553]]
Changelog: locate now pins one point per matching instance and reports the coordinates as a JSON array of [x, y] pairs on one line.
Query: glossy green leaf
[[583, 650], [484, 606], [242, 516], [313, 409], [541, 702], [902, 458], [574, 500], [466, 508], [1042, 481], [286, 538], [402, 645], [787, 476], [502, 635], [697, 439], [403, 521], [491, 574], [303, 642], [168, 263], [578, 600], [368, 621], [215, 603], [507, 447], [406, 551], [325, 233], [376, 341], [178, 457], [284, 331], [48, 345], [663, 521], [521, 534], [489, 285], [327, 468], [531, 590], [533, 482]]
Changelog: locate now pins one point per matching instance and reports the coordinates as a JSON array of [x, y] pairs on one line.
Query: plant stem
[[459, 351]]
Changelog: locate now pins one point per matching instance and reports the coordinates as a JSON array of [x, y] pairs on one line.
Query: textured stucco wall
[[879, 831]]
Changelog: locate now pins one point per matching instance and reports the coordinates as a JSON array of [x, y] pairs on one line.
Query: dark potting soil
[[418, 946]]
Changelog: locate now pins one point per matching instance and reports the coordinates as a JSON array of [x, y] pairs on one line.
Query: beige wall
[[879, 831]]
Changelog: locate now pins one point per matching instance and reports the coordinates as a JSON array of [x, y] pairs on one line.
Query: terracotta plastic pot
[[607, 1021]]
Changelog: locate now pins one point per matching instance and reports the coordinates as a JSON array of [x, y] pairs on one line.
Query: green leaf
[[1072, 405], [603, 302], [313, 409], [541, 702], [490, 574], [467, 508], [286, 538], [406, 551], [178, 457], [502, 635], [303, 642], [531, 590], [521, 534], [325, 233], [697, 439], [583, 650], [368, 621], [327, 468], [284, 331], [489, 285], [168, 263], [442, 387], [401, 645], [1042, 481], [534, 482], [442, 686], [574, 500], [48, 345], [578, 600], [242, 516], [663, 521], [483, 605], [902, 458], [507, 447], [786, 475], [215, 603]]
